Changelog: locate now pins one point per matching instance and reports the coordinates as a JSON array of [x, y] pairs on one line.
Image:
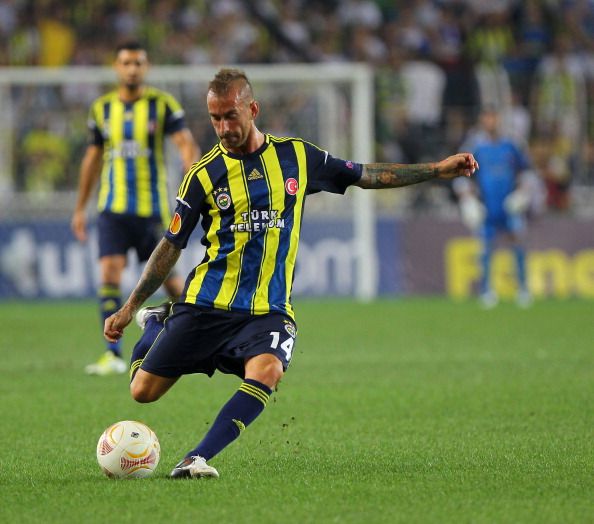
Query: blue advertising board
[[44, 260]]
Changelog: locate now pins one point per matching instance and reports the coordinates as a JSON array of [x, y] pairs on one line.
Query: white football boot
[[160, 312], [194, 467]]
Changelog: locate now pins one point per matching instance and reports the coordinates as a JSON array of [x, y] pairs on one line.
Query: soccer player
[[499, 201], [235, 313], [126, 152]]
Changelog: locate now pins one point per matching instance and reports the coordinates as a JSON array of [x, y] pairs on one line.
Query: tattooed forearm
[[378, 176], [157, 268]]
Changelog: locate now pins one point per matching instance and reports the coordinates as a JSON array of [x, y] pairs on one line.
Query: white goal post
[[341, 121]]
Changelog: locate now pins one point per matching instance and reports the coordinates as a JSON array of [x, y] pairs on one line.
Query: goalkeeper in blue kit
[[235, 314], [498, 202]]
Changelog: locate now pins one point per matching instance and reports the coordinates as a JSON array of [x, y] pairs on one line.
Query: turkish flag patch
[[291, 186]]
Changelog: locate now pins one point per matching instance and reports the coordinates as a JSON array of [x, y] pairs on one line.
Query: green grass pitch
[[413, 410]]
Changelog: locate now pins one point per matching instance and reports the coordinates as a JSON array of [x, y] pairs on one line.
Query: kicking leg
[[262, 374]]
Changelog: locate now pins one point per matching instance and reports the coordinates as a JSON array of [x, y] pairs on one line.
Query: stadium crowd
[[436, 61]]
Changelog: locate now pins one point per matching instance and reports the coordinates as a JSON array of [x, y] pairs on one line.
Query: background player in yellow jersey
[[235, 314], [128, 127]]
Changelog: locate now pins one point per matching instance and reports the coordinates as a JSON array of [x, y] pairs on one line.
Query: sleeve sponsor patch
[[175, 224]]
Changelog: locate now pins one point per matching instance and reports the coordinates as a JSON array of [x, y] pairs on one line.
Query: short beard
[[132, 86]]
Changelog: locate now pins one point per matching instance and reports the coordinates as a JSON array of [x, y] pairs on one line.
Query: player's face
[[232, 116], [131, 67], [490, 122]]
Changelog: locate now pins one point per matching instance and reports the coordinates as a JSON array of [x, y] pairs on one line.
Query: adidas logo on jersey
[[255, 175]]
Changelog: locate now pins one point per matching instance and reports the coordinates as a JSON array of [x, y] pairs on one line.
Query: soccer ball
[[128, 449]]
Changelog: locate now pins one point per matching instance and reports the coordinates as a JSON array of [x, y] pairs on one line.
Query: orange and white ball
[[128, 449]]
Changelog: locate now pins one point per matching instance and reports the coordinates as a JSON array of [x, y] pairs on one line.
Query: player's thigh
[[114, 235], [273, 334], [148, 387], [185, 344]]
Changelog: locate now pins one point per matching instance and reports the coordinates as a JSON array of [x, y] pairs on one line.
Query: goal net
[[43, 137]]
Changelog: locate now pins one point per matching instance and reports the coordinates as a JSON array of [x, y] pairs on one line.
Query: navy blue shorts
[[202, 340], [118, 233]]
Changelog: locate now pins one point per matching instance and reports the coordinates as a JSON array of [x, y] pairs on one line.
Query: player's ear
[[254, 108]]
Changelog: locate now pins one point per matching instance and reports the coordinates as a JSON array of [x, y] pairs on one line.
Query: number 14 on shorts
[[286, 346]]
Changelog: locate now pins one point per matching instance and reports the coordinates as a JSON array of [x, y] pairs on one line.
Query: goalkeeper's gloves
[[517, 202], [472, 212]]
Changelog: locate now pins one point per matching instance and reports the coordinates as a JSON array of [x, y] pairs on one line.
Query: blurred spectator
[[490, 40], [458, 54], [57, 37], [461, 96], [326, 42], [360, 12], [517, 120], [47, 156], [126, 19], [553, 160], [559, 92], [533, 39], [579, 19], [365, 46], [409, 34], [424, 84], [8, 19], [390, 104], [24, 43]]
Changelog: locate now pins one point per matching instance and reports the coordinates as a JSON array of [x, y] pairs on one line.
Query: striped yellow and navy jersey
[[134, 176], [250, 208]]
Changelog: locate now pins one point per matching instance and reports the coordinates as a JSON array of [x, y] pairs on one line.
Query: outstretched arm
[[379, 176], [157, 269]]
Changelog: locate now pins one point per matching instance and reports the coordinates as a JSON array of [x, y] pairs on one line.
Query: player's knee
[[266, 369], [146, 387], [143, 393], [273, 375]]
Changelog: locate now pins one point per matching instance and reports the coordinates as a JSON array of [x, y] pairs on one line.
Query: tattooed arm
[[378, 176], [156, 271]]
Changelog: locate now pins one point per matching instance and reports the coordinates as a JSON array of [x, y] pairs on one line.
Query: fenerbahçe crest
[[175, 224], [290, 328], [222, 198]]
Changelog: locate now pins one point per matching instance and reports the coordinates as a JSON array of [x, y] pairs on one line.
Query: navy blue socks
[[110, 300], [240, 411]]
